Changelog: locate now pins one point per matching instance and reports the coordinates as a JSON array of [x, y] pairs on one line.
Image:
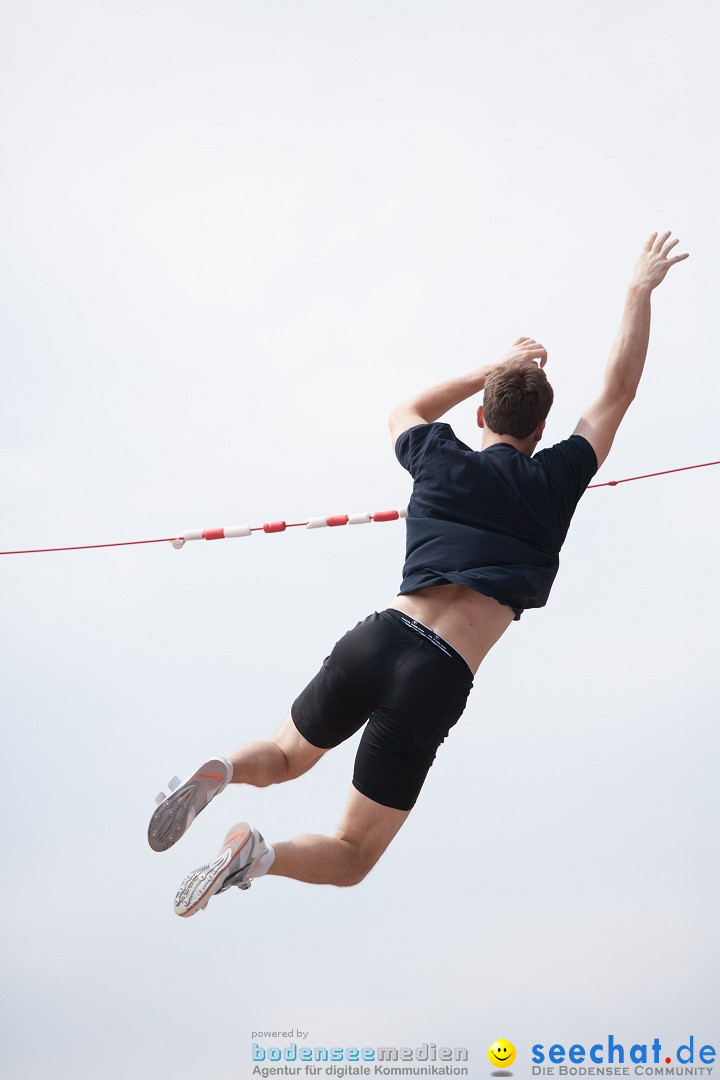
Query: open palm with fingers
[[654, 263]]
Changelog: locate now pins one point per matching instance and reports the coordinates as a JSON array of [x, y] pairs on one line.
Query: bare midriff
[[467, 620]]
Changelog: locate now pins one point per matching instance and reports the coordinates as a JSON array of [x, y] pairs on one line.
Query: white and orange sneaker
[[177, 811], [243, 856]]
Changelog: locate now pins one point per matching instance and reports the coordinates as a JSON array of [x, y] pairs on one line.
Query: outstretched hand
[[653, 264]]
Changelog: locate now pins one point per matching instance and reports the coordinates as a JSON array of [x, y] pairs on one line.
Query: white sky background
[[235, 236]]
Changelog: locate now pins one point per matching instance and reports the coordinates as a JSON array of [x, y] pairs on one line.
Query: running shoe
[[240, 855], [177, 811]]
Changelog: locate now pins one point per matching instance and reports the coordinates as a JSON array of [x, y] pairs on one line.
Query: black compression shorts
[[407, 683]]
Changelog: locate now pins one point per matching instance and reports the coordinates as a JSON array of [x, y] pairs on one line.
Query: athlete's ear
[[539, 431], [480, 421]]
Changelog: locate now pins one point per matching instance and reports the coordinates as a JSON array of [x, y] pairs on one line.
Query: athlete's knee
[[356, 867], [350, 877], [283, 771], [298, 755], [259, 764], [292, 764]]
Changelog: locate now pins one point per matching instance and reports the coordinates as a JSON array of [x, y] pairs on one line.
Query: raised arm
[[430, 405], [600, 421]]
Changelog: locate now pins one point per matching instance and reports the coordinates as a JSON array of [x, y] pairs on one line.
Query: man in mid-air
[[484, 531]]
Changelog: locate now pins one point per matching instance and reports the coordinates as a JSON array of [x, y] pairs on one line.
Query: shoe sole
[[203, 883], [176, 814]]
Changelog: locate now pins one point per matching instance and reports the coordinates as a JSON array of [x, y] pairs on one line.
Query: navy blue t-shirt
[[494, 519]]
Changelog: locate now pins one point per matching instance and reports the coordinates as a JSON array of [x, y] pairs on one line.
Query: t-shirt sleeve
[[411, 446], [570, 466]]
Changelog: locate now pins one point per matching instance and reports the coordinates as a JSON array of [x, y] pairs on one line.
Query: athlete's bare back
[[467, 620]]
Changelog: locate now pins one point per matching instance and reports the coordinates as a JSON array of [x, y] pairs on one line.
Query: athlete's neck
[[525, 446]]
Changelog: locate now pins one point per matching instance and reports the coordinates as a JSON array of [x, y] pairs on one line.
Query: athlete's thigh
[[369, 826], [404, 733], [301, 755], [338, 700]]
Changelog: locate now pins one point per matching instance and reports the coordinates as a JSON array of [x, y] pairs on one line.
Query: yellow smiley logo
[[501, 1053]]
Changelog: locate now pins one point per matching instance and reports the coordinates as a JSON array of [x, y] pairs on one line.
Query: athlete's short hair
[[517, 397]]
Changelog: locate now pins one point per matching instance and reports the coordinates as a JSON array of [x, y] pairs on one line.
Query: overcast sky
[[235, 235]]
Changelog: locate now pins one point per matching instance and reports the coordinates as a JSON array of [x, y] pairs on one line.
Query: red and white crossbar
[[230, 532], [314, 523]]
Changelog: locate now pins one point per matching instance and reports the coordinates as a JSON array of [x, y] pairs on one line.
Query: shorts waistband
[[423, 631]]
